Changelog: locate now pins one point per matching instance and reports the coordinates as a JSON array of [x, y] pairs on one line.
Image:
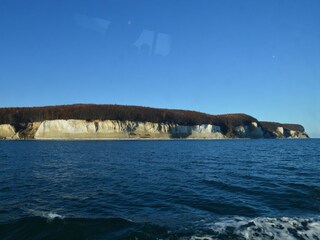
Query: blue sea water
[[176, 189]]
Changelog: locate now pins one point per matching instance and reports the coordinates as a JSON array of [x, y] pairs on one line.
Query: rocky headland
[[88, 121]]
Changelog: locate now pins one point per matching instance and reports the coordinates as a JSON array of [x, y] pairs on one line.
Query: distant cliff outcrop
[[279, 130], [89, 121]]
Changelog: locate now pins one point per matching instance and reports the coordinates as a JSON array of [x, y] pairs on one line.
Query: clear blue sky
[[216, 56]]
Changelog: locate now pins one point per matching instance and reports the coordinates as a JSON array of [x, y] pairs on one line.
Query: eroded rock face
[[248, 131], [76, 129], [113, 129], [280, 132], [297, 134], [6, 131]]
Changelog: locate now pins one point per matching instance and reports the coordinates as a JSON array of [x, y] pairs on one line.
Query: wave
[[54, 226], [263, 228], [48, 215]]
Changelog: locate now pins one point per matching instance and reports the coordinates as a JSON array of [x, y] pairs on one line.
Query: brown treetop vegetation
[[272, 126], [119, 112]]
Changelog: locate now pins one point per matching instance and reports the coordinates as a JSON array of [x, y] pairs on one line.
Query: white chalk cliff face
[[81, 129], [6, 131], [113, 129], [249, 131], [280, 132]]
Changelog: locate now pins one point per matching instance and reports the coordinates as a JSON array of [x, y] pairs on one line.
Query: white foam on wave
[[48, 215], [263, 228], [51, 216]]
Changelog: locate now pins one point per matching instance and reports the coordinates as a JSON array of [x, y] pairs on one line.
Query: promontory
[[90, 121]]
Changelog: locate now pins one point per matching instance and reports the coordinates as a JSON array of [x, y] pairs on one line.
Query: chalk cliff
[[109, 129], [279, 130], [7, 131], [129, 122], [113, 129], [249, 131]]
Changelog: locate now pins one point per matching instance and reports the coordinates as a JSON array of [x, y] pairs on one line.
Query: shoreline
[[149, 139]]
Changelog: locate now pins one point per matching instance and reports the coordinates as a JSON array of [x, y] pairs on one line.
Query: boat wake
[[263, 228], [54, 226]]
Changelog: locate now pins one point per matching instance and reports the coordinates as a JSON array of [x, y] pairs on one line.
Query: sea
[[160, 189]]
